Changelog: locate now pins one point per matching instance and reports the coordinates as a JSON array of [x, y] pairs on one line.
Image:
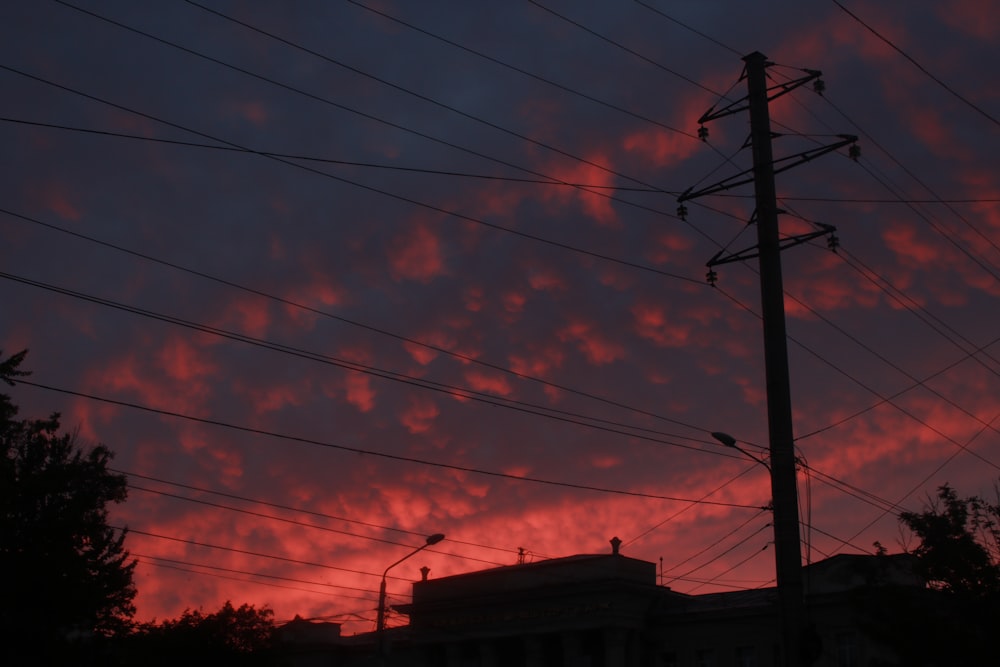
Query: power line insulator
[[703, 133], [682, 212], [854, 152], [712, 277], [832, 242], [819, 86]]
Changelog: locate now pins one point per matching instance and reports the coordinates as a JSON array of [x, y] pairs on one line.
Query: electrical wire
[[305, 308], [370, 188], [299, 510], [187, 566], [385, 455], [403, 378], [920, 67]]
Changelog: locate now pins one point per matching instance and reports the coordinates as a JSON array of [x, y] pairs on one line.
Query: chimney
[[424, 571], [615, 545]]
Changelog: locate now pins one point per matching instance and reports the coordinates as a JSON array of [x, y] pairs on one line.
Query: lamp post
[[790, 598], [730, 441], [380, 623]]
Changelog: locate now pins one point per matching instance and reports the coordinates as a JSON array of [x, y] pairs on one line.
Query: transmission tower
[[797, 648]]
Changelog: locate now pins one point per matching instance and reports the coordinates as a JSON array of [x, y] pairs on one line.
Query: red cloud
[[545, 279], [473, 297], [652, 322], [359, 391], [513, 302], [595, 202], [595, 346], [251, 314], [419, 416], [56, 199], [669, 245], [539, 364], [416, 255], [974, 17], [488, 382], [182, 361], [420, 354]]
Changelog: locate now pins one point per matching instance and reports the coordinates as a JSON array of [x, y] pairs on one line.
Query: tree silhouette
[[958, 543], [230, 636], [67, 574], [953, 620]]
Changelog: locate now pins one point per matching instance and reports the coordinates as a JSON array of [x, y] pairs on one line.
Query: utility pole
[[784, 495]]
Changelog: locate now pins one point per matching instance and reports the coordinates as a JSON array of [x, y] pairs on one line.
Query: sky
[[330, 277]]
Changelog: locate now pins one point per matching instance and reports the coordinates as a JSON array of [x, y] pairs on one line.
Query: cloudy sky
[[329, 277]]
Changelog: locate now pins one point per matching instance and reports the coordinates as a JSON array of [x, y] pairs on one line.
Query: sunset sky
[[329, 277]]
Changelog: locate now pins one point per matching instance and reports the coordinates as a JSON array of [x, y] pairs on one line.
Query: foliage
[[68, 573], [959, 538], [230, 636], [953, 620]]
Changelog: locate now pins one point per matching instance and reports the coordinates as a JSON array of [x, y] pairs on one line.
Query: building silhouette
[[606, 610]]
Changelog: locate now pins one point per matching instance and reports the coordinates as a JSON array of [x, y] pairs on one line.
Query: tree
[[959, 539], [230, 636], [67, 574], [953, 620]]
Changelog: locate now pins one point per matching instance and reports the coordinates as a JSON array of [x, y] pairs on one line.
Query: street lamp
[[787, 552], [730, 441], [380, 623]]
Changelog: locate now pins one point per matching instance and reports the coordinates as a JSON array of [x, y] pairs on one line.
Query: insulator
[[819, 86], [712, 277], [854, 152], [703, 133], [682, 212], [832, 242]]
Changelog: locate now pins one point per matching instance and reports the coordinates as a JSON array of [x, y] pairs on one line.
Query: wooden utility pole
[[784, 494]]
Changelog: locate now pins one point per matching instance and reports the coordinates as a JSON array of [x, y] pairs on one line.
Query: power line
[[864, 386], [621, 46], [384, 332], [376, 190], [346, 163], [450, 390], [299, 510], [377, 119], [687, 27], [295, 522], [920, 67], [400, 88], [160, 561], [385, 455], [519, 70], [687, 507], [246, 552]]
